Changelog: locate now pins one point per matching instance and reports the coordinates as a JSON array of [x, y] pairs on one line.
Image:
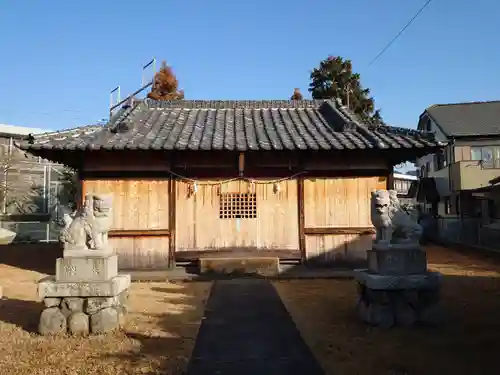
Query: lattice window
[[238, 206]]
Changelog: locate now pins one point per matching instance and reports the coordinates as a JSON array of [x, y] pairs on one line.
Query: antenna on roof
[[111, 101], [153, 64], [144, 85]]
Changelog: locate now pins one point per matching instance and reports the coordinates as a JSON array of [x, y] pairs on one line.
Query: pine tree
[[165, 86], [334, 79], [296, 95]]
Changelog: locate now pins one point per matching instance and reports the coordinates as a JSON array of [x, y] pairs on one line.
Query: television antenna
[[113, 104]]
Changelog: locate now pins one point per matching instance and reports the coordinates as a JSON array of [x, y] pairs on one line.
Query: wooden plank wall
[[200, 228], [140, 206], [337, 212]]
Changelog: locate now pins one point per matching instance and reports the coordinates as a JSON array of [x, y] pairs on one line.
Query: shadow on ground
[[38, 257], [21, 313]]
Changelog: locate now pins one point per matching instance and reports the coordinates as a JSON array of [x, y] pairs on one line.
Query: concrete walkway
[[247, 330]]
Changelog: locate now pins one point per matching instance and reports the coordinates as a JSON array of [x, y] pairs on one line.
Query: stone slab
[[75, 269], [49, 287], [265, 266], [81, 253], [428, 280], [394, 261], [6, 236]]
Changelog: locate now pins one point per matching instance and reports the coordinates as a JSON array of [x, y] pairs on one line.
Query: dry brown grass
[[469, 342], [158, 338]]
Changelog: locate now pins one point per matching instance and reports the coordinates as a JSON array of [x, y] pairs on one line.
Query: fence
[[467, 231], [30, 203]]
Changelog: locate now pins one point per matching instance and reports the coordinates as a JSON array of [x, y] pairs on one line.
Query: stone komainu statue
[[88, 227], [393, 224]]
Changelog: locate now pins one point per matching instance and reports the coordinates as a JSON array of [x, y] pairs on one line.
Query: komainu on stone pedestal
[[393, 225], [396, 288], [87, 295], [88, 227]]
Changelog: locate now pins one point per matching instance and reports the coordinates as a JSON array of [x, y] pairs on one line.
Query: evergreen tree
[[334, 79], [165, 85]]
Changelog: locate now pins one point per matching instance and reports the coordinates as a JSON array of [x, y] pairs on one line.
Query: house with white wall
[[469, 161]]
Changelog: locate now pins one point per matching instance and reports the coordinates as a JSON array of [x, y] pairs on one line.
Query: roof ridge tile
[[233, 104]]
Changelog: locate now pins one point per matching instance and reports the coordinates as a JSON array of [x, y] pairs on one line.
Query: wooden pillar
[[81, 190], [172, 199], [241, 164], [390, 179], [300, 204]]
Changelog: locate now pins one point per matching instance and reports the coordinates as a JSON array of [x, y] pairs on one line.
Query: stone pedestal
[[87, 295], [397, 261], [397, 289], [90, 268]]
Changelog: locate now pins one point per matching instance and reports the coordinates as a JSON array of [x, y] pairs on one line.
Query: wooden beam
[[339, 230], [139, 233], [125, 175], [172, 199], [300, 206]]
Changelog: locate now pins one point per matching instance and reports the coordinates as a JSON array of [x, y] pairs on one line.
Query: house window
[[489, 156], [440, 160], [475, 153], [397, 186], [238, 206]]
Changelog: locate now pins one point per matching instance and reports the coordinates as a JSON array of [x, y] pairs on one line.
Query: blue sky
[[60, 58]]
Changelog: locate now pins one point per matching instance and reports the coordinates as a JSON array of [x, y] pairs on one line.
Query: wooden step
[[263, 266]]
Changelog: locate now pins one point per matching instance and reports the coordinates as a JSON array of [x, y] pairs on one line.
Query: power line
[[400, 32]]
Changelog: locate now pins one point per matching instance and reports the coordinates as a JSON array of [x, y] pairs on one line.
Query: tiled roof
[[233, 125], [467, 119]]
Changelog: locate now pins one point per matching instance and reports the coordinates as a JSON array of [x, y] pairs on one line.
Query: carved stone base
[[49, 287], [386, 301], [394, 261], [91, 268], [83, 315]]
